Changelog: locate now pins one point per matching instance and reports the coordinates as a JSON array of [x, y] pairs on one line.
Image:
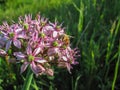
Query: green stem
[[116, 70], [115, 75], [28, 80]]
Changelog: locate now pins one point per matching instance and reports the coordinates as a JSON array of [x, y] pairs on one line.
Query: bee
[[66, 39]]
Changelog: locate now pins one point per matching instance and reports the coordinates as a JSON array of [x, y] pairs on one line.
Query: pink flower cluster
[[37, 43]]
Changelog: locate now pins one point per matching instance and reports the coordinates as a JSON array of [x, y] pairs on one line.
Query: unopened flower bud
[[2, 52], [50, 72], [55, 43], [26, 26]]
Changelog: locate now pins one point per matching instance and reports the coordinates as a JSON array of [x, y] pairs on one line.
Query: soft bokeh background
[[95, 28]]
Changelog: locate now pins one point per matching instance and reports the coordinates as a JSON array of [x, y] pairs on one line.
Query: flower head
[[12, 34], [39, 44]]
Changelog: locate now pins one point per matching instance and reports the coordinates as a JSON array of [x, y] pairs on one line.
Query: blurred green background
[[95, 26]]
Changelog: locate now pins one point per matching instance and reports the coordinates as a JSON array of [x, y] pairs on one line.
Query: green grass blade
[[28, 80], [81, 16], [76, 82], [34, 85], [116, 70]]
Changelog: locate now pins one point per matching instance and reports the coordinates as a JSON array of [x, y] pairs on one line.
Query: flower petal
[[37, 51], [29, 50], [64, 58], [33, 67], [24, 67], [2, 42], [17, 43], [22, 35], [9, 42], [37, 69], [49, 72], [68, 67], [40, 60], [35, 36], [52, 51], [49, 28], [55, 34], [2, 52], [18, 30], [19, 55], [40, 68]]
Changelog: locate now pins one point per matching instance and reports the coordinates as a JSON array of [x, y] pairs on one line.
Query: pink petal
[[52, 51], [33, 67], [40, 60], [22, 35], [40, 68], [35, 36], [24, 67], [62, 64], [37, 51], [55, 34], [17, 43], [75, 62], [19, 55], [18, 30], [49, 28], [29, 50], [1, 42], [2, 52], [37, 68], [68, 67], [8, 44], [50, 72], [64, 58], [4, 32]]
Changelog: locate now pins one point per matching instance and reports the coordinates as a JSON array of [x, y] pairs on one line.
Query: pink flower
[[12, 33], [67, 58], [41, 44], [30, 58], [49, 72]]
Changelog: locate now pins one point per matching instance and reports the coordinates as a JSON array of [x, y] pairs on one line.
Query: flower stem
[[28, 80]]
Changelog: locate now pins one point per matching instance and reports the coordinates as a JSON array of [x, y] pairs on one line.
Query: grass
[[95, 27], [116, 70]]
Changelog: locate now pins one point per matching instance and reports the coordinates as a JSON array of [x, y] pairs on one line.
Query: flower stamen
[[30, 58]]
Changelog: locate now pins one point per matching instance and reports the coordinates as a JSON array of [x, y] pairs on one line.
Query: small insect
[[66, 39]]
